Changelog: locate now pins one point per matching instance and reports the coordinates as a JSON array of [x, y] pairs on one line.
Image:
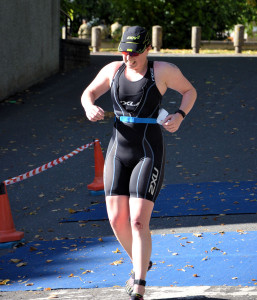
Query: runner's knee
[[137, 225], [118, 222]]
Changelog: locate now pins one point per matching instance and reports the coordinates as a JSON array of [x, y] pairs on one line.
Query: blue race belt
[[137, 120]]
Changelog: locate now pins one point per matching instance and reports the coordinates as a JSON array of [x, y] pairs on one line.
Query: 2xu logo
[[129, 103], [153, 183]]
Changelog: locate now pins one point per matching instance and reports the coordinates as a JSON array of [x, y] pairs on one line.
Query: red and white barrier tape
[[47, 166]]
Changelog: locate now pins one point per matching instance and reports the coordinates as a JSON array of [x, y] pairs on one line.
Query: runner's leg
[[140, 214], [119, 217]]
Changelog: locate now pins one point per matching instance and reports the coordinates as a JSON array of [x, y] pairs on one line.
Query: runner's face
[[135, 62]]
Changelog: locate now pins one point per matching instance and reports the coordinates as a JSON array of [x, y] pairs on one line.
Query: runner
[[134, 164]]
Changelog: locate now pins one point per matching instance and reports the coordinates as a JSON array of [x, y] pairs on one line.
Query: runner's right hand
[[94, 113]]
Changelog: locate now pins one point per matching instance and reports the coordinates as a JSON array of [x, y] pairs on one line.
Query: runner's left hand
[[172, 122]]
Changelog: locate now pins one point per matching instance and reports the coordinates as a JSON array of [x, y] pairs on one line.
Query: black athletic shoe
[[130, 282], [136, 296]]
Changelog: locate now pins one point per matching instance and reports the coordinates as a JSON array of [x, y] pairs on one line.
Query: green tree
[[93, 10], [216, 17]]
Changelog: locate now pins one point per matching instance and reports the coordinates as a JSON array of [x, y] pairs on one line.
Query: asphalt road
[[216, 142]]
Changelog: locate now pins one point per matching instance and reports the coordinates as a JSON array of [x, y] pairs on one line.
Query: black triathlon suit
[[134, 164]]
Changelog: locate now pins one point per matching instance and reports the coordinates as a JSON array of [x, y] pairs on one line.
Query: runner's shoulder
[[164, 65], [111, 68]]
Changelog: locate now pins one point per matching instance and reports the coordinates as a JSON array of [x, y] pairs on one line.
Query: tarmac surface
[[216, 142]]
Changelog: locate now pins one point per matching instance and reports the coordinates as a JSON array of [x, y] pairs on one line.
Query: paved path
[[217, 142], [153, 293]]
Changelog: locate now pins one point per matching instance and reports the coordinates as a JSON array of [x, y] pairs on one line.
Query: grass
[[207, 51], [189, 51]]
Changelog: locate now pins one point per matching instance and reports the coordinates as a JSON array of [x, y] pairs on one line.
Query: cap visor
[[130, 47]]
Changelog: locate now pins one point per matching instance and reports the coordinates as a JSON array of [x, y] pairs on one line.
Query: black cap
[[134, 39]]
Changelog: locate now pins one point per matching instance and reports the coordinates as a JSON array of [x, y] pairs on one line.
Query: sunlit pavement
[[153, 293]]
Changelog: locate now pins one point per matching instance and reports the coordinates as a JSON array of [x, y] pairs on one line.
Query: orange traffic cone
[[98, 183], [7, 229]]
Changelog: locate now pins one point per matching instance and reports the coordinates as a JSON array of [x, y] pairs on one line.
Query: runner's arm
[[99, 86]]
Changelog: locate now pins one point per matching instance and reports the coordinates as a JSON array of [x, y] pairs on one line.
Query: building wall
[[29, 43]]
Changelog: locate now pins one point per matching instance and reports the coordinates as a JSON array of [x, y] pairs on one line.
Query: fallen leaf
[[15, 260], [241, 231], [117, 262], [4, 282], [198, 234], [87, 271], [22, 264], [32, 249], [116, 251], [71, 211], [214, 248]]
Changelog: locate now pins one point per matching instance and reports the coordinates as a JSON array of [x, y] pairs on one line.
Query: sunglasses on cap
[[130, 53]]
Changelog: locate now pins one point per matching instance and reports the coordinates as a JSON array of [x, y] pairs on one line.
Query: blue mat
[[209, 198], [10, 245], [180, 260]]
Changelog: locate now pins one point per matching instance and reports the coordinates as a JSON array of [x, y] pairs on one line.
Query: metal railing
[[67, 27]]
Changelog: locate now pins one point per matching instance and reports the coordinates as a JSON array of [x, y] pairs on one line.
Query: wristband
[[183, 114]]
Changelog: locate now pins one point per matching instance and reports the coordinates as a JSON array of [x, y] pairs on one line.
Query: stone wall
[[74, 53], [29, 35]]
